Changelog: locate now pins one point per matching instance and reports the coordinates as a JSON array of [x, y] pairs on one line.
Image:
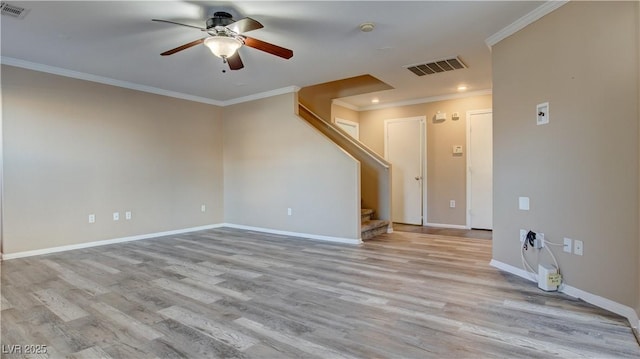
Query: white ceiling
[[117, 40]]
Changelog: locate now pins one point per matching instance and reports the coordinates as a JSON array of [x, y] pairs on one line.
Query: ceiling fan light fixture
[[223, 46]]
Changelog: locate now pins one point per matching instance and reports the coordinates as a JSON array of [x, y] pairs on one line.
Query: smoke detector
[[367, 26]]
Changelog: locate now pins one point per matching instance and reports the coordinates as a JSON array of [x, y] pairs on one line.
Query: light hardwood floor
[[241, 294], [451, 232]]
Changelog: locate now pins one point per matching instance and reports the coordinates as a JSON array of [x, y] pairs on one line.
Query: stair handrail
[[350, 139]]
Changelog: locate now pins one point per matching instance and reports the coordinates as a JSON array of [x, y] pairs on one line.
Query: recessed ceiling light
[[462, 88], [375, 100]]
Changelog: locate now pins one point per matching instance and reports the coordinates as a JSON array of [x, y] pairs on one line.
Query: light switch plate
[[523, 203], [567, 245]]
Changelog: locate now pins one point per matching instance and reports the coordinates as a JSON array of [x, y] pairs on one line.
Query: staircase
[[371, 227]]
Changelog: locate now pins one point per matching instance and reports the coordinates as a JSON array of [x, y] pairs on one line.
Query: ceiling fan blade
[[244, 25], [235, 62], [267, 47], [183, 47], [177, 23]]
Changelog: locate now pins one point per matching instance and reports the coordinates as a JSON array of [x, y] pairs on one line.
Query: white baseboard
[[603, 303], [590, 298], [38, 252], [452, 226], [295, 234], [513, 270]]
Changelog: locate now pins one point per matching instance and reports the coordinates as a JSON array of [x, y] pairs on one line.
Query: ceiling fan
[[226, 36]]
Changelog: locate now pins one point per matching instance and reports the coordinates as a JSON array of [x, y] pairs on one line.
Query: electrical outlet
[[577, 247], [523, 235], [452, 203], [203, 208], [289, 211], [92, 218], [116, 216], [537, 243], [127, 215], [540, 239], [567, 245]]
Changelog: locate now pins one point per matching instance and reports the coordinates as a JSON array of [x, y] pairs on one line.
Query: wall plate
[[542, 113]]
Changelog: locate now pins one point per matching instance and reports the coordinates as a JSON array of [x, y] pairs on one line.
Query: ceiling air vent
[[13, 11], [437, 66]]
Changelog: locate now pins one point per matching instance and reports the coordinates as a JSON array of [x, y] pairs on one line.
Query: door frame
[[467, 163], [423, 158], [356, 125]]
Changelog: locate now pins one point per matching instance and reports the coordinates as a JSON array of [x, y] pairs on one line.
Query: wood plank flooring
[[453, 232], [239, 294]]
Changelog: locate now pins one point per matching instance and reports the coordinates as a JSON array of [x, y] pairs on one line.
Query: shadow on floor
[[467, 233]]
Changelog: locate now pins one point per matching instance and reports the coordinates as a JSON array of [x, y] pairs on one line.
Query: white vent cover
[[13, 11], [435, 67]]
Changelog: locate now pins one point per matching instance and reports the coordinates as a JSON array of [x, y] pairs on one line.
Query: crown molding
[[290, 89], [261, 95], [104, 80], [345, 105], [427, 100], [133, 86], [522, 22]]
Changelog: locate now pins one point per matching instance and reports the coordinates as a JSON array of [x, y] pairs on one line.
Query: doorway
[[480, 169], [350, 127], [404, 148]]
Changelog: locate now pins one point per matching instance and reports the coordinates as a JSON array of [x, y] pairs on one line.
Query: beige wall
[[446, 173], [581, 170], [638, 109], [274, 160], [74, 147], [319, 98], [344, 113]]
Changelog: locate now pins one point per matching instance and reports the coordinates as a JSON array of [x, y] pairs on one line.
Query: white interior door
[[404, 149], [480, 165], [350, 127]]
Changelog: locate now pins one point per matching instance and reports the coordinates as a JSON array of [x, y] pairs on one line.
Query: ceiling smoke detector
[[367, 26]]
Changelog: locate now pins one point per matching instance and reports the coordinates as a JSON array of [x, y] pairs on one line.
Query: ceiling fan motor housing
[[219, 18]]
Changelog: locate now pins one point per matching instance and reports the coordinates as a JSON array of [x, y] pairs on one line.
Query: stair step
[[366, 214], [372, 228]]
